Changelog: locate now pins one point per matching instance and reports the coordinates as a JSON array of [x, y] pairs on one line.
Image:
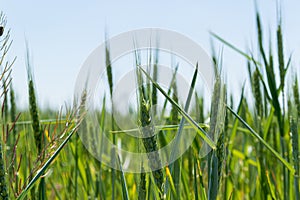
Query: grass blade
[[179, 138], [256, 135], [188, 118], [123, 181]]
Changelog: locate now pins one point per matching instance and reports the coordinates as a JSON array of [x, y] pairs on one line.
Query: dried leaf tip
[[1, 30]]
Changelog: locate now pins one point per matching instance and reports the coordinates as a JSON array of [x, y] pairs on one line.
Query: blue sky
[[61, 34]]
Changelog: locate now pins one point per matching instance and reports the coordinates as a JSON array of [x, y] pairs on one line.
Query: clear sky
[[61, 34]]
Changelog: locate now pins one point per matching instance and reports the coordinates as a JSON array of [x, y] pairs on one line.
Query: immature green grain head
[[296, 156], [221, 139], [142, 185], [174, 111], [220, 154], [34, 116], [217, 122], [108, 68], [148, 132], [33, 108], [280, 50], [257, 93], [296, 96], [12, 105], [150, 142], [294, 133], [217, 115], [155, 77]]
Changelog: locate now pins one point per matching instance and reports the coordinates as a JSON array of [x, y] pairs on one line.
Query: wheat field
[[254, 149]]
